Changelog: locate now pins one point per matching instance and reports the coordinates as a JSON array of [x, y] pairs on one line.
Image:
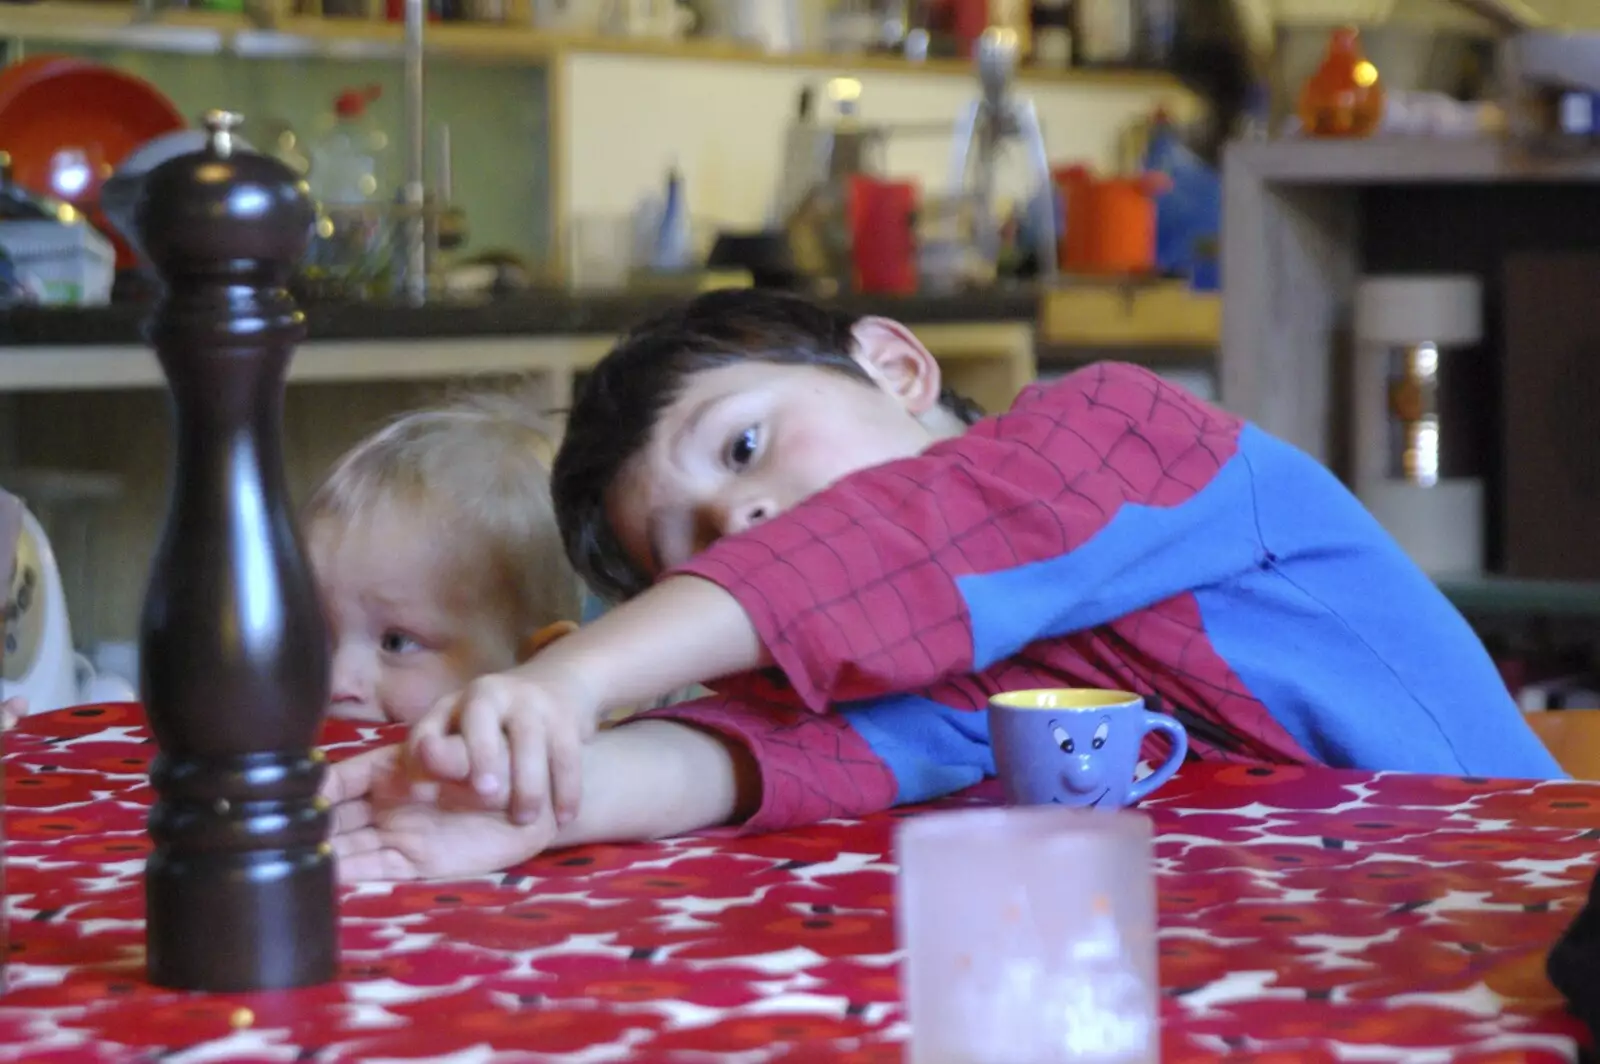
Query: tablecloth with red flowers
[[1306, 916]]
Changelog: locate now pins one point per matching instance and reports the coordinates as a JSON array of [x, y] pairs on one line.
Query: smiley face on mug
[[1077, 747]]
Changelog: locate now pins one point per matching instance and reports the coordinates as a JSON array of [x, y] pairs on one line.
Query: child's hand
[[516, 737], [12, 710], [384, 827]]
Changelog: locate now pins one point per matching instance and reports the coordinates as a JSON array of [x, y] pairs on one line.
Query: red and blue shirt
[[1113, 531]]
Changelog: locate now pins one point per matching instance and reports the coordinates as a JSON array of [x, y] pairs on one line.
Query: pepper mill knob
[[239, 886], [224, 209], [222, 125]]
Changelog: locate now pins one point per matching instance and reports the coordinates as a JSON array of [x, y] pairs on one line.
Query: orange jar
[[1344, 98], [1110, 221]]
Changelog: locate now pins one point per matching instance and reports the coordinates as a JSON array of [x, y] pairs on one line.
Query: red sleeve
[[854, 592], [812, 767]]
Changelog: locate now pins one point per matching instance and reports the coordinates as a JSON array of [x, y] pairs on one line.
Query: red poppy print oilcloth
[[1307, 915]]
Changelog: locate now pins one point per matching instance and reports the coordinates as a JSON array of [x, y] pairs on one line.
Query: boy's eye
[[743, 447], [397, 643]]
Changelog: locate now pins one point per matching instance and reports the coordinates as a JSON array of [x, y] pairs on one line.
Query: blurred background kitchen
[[1031, 184]]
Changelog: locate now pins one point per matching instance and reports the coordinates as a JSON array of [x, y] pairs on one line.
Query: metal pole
[[414, 191]]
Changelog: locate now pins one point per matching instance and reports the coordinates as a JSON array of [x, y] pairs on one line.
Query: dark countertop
[[531, 315]]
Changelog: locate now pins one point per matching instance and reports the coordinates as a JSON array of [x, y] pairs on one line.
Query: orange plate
[[68, 122]]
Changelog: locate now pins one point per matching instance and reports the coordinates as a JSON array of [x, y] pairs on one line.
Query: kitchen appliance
[[988, 125], [40, 664], [1408, 331]]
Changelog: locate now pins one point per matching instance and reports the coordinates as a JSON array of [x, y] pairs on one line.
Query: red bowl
[[68, 122]]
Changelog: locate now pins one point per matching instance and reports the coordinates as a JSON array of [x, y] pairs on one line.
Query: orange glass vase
[[1344, 98]]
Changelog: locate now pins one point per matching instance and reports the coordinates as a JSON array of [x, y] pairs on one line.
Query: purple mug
[[1078, 747]]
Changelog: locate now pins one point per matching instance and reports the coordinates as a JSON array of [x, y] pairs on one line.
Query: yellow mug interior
[[1064, 698]]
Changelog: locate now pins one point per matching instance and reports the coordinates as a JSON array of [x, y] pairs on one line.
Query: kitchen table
[[1307, 915]]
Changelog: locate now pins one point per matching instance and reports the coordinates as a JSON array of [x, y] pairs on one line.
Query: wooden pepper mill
[[234, 652]]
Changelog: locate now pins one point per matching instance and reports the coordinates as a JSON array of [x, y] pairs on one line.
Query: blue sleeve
[[931, 749], [1351, 647]]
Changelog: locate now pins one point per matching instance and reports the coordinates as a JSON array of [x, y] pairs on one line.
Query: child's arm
[[739, 758], [643, 780], [682, 632], [517, 736]]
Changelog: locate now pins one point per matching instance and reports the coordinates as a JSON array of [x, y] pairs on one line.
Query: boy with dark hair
[[649, 369], [798, 516]]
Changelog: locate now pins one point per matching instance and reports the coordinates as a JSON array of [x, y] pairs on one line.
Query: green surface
[[1505, 596], [496, 114]]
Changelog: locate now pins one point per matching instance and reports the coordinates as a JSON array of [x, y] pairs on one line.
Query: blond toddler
[[437, 555]]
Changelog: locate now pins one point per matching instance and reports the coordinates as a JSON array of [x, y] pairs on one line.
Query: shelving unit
[[271, 30], [1291, 233]]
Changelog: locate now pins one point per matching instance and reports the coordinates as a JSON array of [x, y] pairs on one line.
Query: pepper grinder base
[[205, 896]]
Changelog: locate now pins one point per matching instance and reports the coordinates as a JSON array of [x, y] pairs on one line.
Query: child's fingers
[[482, 727], [530, 768], [442, 757], [355, 777], [349, 816], [424, 743], [566, 768]]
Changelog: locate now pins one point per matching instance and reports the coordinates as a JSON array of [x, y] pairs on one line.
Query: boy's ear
[[897, 360]]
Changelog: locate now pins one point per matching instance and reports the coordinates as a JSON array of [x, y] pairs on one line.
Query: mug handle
[[1180, 749]]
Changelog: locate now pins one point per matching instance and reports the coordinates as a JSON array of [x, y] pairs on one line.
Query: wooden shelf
[[72, 21], [1163, 314], [1397, 160]]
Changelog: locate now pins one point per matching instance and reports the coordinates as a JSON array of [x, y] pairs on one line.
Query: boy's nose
[[737, 518]]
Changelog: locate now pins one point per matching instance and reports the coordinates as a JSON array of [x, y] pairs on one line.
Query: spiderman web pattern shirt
[[1110, 530]]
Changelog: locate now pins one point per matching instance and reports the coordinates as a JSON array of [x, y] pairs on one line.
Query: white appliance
[[1405, 327], [40, 663]]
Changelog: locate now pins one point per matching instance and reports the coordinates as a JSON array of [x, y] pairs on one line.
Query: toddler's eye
[[397, 643], [743, 447]]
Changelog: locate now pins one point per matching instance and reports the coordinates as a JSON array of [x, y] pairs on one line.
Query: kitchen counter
[[80, 392], [549, 314], [984, 341]]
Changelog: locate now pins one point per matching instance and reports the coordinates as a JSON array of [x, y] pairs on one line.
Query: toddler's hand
[[516, 737], [12, 710], [382, 829]]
